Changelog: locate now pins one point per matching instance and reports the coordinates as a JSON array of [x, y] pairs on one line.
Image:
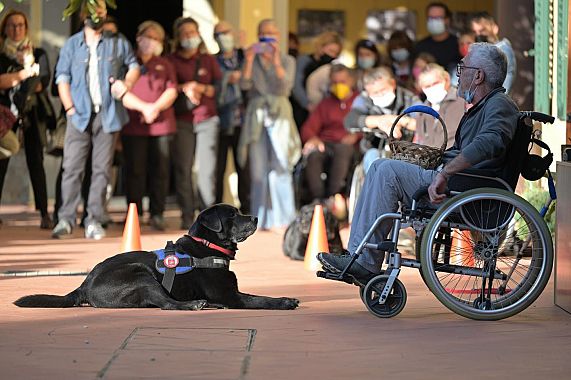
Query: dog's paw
[[289, 303], [197, 305]]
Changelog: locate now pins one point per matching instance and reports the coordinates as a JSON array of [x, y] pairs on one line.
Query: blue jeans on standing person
[[272, 197]]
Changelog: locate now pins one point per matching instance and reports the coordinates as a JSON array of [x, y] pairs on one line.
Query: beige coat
[[428, 129]]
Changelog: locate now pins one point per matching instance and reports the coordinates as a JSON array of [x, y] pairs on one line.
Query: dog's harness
[[170, 262]]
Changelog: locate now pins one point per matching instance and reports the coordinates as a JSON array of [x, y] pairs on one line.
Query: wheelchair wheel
[[395, 301], [357, 181], [485, 272]]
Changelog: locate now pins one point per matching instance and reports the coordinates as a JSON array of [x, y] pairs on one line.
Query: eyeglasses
[[16, 26], [461, 66]]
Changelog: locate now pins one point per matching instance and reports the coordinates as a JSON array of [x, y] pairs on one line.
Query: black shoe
[[336, 263], [46, 223]]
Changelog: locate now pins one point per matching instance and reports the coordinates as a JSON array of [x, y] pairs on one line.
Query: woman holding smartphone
[[270, 136]]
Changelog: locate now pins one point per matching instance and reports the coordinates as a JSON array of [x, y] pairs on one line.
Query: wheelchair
[[485, 253]]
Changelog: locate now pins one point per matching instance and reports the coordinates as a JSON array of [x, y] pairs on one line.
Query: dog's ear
[[211, 220]]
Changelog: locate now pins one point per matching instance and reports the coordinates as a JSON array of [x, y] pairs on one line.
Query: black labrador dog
[[133, 279], [297, 233]]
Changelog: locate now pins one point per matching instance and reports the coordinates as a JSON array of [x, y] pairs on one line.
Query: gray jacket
[[486, 132]]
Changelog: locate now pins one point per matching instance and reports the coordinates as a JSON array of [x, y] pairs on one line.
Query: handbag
[[182, 105], [7, 120], [56, 138]]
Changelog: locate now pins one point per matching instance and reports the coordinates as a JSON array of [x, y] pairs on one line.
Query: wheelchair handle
[[422, 109], [538, 116]]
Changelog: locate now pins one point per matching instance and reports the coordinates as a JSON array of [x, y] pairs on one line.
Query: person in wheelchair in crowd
[[484, 136], [443, 98], [377, 108], [328, 146]]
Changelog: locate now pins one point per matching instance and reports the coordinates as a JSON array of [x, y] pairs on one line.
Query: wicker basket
[[425, 156]]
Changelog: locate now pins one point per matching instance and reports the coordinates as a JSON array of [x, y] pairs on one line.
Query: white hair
[[491, 60]]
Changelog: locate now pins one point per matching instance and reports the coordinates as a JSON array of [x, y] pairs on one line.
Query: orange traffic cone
[[132, 231], [462, 251], [317, 241]]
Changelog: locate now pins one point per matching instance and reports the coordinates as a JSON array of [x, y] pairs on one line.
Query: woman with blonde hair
[[327, 47], [24, 90]]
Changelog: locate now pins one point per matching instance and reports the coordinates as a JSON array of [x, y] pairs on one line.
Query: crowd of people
[[172, 110]]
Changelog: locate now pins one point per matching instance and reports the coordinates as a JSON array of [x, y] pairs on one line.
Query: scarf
[[19, 51]]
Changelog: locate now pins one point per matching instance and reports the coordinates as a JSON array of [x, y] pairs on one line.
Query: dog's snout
[[254, 220]]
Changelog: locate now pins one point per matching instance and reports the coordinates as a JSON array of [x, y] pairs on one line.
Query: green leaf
[[71, 8]]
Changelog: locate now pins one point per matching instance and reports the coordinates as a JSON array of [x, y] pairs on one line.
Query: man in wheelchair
[[484, 136]]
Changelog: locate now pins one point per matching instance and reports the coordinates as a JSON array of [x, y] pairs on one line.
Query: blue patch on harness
[[182, 266]]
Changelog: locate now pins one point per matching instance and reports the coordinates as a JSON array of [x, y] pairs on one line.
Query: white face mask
[[191, 43], [148, 46], [226, 42], [435, 94], [385, 100], [435, 26], [400, 55]]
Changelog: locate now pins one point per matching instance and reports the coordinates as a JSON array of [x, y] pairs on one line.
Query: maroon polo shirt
[[326, 120], [208, 73], [157, 75]]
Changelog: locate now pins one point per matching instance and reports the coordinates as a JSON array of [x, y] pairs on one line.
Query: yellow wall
[[357, 10]]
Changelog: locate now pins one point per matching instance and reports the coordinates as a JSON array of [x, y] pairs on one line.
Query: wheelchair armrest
[[496, 181], [420, 193]]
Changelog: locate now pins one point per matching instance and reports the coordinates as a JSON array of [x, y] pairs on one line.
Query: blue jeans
[[272, 197], [387, 183]]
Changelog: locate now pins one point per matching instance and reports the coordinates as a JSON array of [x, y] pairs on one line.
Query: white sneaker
[[94, 231], [62, 230]]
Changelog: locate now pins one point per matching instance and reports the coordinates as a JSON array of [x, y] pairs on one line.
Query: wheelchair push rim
[[480, 275]]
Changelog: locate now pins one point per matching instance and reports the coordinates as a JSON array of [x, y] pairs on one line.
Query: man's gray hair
[[377, 73], [491, 60]]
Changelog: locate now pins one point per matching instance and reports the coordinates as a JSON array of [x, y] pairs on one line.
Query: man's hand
[[312, 144], [384, 123], [118, 89], [436, 190]]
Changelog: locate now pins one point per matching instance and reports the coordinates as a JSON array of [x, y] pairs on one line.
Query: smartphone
[[263, 45]]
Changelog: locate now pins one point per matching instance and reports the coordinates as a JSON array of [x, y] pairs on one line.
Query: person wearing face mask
[[400, 51], [270, 138], [146, 138], [328, 46], [484, 137], [441, 44], [231, 112], [486, 29], [89, 87], [442, 97], [378, 107], [198, 76], [327, 145], [367, 56]]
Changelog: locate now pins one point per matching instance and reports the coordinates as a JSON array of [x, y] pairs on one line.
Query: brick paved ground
[[331, 335]]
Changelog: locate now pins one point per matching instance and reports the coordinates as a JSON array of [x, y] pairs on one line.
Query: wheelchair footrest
[[385, 246], [336, 276]]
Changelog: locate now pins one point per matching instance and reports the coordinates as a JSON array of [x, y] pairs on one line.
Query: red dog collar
[[225, 251]]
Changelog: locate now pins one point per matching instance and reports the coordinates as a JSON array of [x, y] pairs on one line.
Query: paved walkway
[[330, 336]]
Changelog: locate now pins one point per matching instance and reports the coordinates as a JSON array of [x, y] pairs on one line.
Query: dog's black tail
[[46, 300]]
